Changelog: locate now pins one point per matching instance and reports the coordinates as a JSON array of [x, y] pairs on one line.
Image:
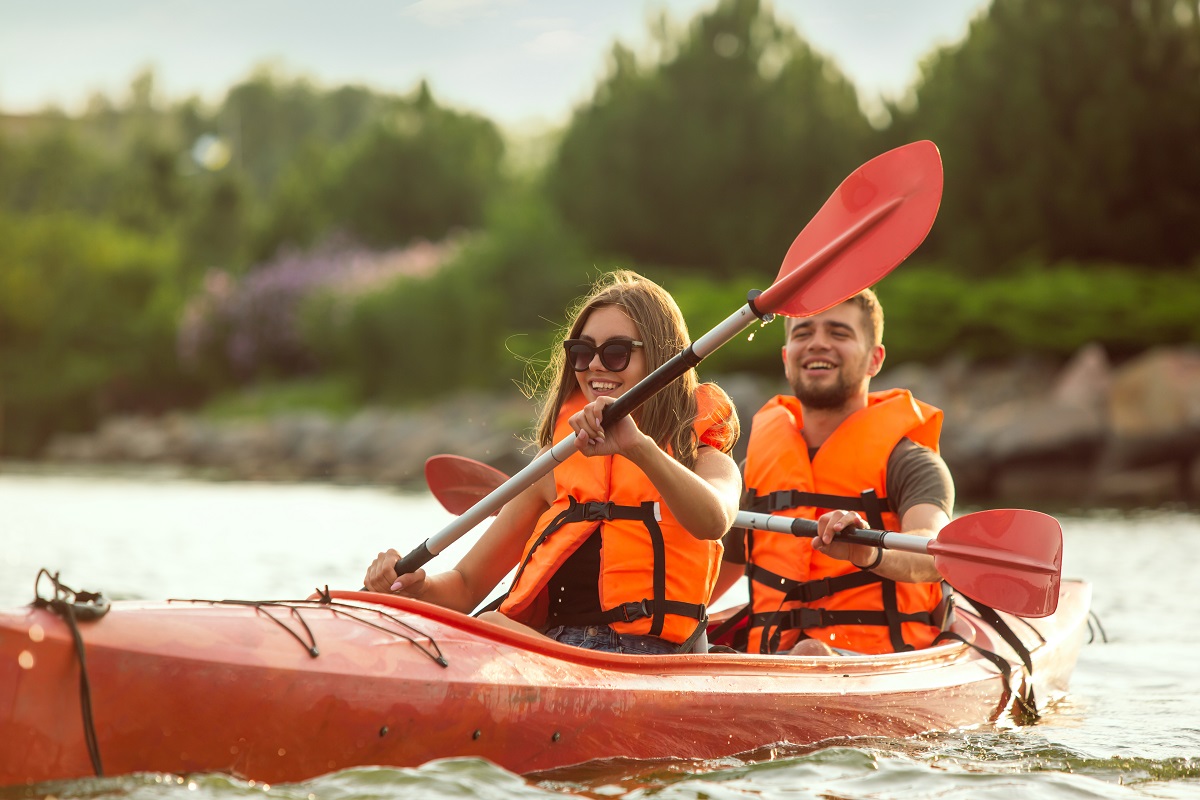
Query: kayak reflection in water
[[872, 456], [619, 546]]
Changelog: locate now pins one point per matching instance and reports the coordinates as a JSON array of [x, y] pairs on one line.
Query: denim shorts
[[604, 638]]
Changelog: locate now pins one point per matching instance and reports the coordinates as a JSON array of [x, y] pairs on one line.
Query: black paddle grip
[[808, 527], [651, 385], [414, 560]]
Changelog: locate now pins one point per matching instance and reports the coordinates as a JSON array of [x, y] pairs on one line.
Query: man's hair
[[872, 312]]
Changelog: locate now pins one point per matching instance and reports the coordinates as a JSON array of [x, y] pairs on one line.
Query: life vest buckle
[[815, 589], [636, 610], [783, 500], [597, 511]]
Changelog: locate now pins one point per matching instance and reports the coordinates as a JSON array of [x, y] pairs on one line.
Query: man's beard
[[825, 398]]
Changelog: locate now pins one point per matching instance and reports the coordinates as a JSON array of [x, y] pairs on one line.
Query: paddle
[[1009, 559], [872, 221], [460, 482]]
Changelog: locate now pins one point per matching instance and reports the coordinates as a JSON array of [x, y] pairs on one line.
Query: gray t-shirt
[[915, 475]]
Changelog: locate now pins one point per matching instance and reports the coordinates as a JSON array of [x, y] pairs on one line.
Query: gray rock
[[1026, 428]]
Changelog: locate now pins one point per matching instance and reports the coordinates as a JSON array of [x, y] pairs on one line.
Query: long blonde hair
[[669, 415]]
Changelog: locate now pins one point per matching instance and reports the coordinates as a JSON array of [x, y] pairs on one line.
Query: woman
[[619, 546]]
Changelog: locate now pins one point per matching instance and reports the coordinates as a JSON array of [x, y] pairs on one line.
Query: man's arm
[[920, 488]]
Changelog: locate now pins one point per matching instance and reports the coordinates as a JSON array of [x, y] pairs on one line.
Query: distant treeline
[[383, 248]]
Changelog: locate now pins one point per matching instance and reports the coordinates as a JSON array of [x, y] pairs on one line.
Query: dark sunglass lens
[[580, 355], [615, 355]]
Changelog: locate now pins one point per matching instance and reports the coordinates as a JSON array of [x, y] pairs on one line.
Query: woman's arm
[[704, 500], [482, 568]]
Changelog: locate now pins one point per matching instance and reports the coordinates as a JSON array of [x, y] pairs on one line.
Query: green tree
[[270, 117], [715, 155], [1068, 131], [87, 316], [423, 171], [477, 322], [51, 171]]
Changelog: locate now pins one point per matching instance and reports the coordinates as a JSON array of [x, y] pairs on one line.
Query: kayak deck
[[286, 691]]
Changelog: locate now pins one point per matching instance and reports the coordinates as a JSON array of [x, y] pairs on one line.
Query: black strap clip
[[597, 511], [782, 500], [636, 610]]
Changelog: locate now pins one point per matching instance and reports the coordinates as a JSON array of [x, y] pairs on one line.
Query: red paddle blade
[[872, 222], [459, 483], [1009, 559]]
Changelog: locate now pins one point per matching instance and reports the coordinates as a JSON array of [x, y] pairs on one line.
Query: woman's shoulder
[[716, 417]]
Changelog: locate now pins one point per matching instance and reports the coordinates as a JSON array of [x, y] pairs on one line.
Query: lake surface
[[1129, 729]]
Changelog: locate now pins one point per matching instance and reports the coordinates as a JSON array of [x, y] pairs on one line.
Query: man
[[873, 457]]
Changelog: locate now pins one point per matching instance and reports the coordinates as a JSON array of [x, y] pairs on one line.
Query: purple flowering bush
[[255, 326]]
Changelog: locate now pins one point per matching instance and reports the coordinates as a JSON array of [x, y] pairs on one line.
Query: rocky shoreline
[[1025, 432]]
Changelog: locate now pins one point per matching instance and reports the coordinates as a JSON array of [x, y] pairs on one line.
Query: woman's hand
[[381, 577], [830, 523], [593, 439]]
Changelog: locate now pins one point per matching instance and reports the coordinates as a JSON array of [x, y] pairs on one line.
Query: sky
[[520, 62]]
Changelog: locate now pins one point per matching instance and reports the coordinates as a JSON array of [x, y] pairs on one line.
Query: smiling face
[[605, 323], [829, 358]]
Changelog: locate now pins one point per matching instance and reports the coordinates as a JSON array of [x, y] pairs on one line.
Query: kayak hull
[[280, 692]]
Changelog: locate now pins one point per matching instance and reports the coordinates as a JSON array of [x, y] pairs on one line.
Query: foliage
[[1041, 308], [329, 396], [1069, 131], [1072, 187], [706, 303], [709, 157], [249, 327], [1051, 309], [422, 172], [271, 117], [87, 313], [478, 322]]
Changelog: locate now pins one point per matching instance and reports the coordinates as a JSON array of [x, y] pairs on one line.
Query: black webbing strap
[[808, 591], [803, 618], [730, 623], [554, 525], [1027, 709], [785, 499], [989, 615], [657, 608], [574, 512], [660, 572], [891, 607], [773, 623], [873, 507], [630, 612]]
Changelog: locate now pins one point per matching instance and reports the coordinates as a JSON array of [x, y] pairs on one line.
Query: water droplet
[[25, 659]]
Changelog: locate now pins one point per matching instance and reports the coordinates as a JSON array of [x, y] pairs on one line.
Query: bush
[[706, 303], [87, 315], [242, 329], [1050, 309], [481, 321]]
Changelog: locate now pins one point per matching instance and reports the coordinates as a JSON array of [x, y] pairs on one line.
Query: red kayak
[[285, 691]]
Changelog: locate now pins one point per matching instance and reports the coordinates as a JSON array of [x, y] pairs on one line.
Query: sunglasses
[[614, 354]]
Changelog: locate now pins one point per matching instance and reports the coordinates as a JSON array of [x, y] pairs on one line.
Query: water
[[1130, 728]]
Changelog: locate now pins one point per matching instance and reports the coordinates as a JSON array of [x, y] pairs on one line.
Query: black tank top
[[575, 587]]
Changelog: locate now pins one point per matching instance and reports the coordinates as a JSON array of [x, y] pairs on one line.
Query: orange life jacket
[[795, 590], [655, 577]]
